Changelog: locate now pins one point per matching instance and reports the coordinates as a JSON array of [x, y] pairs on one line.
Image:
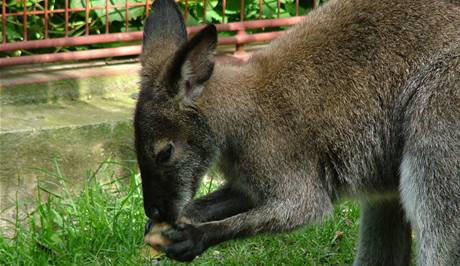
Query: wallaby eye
[[165, 154]]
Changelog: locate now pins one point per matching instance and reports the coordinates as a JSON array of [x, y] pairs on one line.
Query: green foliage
[[101, 223], [115, 14], [117, 17], [103, 219]]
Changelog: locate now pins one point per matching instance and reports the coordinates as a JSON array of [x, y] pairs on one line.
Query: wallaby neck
[[225, 99]]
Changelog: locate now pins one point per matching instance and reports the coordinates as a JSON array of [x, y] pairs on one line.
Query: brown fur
[[333, 108]]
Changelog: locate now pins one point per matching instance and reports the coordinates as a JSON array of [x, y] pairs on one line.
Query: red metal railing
[[88, 38]]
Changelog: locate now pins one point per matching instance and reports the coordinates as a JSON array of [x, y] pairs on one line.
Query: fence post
[[239, 48]]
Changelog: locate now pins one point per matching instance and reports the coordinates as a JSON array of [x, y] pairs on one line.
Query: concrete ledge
[[78, 123], [29, 157], [67, 83]]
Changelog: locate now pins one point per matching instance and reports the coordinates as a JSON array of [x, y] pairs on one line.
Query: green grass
[[102, 224]]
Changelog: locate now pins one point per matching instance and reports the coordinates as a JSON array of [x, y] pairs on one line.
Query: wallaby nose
[[154, 214]]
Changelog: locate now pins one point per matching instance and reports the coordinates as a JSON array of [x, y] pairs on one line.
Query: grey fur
[[362, 100], [385, 234]]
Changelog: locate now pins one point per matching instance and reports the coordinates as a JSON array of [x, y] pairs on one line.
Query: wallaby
[[360, 100]]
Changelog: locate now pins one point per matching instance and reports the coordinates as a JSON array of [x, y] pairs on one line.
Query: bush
[[117, 18]]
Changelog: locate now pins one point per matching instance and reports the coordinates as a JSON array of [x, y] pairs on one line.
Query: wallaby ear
[[193, 65], [165, 24]]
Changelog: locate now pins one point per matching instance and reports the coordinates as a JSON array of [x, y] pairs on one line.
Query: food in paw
[[155, 240]]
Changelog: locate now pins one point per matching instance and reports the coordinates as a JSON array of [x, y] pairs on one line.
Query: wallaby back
[[333, 86]]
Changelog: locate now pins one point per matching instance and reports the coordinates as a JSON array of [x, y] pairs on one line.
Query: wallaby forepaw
[[186, 242]]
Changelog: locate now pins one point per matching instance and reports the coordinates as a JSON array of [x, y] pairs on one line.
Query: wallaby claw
[[186, 242], [175, 234]]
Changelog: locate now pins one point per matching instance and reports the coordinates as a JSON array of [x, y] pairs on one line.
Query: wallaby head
[[173, 141]]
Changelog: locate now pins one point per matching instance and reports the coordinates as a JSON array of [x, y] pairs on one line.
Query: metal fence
[[244, 31]]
